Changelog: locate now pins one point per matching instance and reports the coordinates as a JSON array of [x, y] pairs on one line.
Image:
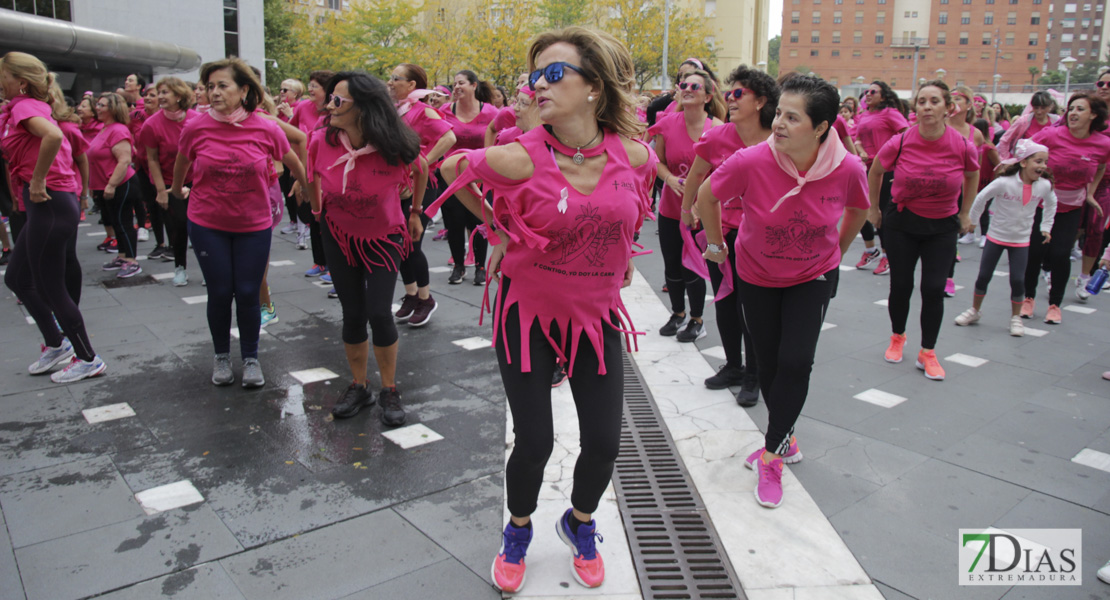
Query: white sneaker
[[1081, 292], [180, 277], [982, 241], [967, 238], [968, 317], [1017, 328], [1104, 573], [302, 239], [143, 234]]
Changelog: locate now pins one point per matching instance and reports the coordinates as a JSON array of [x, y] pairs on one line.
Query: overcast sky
[[774, 20]]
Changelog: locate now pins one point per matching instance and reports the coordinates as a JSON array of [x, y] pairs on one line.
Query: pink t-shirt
[[306, 117], [507, 136], [429, 129], [714, 147], [232, 168], [163, 134], [1074, 162], [472, 135], [874, 128], [1035, 127], [840, 127], [138, 151], [680, 155], [506, 118], [800, 240], [21, 148], [102, 163], [77, 143], [562, 239], [90, 129], [368, 211], [929, 175]]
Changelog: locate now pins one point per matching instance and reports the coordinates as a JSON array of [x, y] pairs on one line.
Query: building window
[[335, 4], [1031, 56], [859, 17], [965, 18], [1082, 37], [963, 38], [1065, 52], [836, 17], [793, 37], [795, 17], [1010, 38], [985, 56], [1035, 19], [1086, 8], [1033, 39], [962, 55], [907, 15], [816, 17], [793, 54], [1069, 8], [838, 2], [836, 37], [813, 52], [1082, 52], [967, 1], [942, 38], [988, 19], [944, 1], [1067, 38], [857, 37], [942, 18], [856, 54], [51, 9], [990, 1], [880, 17], [878, 54], [986, 39], [940, 55], [1085, 23], [878, 38], [815, 37], [1067, 23], [836, 53], [231, 27], [833, 81]]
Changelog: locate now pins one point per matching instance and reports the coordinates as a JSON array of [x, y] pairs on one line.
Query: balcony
[[910, 42]]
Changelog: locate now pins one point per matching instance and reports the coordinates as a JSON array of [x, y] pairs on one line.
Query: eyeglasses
[[870, 93], [693, 87], [398, 78], [553, 73], [737, 93], [338, 101], [283, 90], [1102, 84]]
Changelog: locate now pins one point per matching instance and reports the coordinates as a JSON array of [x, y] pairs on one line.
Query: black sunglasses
[[553, 73]]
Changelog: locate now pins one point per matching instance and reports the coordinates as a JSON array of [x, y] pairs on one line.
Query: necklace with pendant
[[578, 157]]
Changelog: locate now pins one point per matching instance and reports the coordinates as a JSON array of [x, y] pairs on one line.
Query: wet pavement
[[280, 501]]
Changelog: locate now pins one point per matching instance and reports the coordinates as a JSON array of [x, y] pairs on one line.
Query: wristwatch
[[714, 248]]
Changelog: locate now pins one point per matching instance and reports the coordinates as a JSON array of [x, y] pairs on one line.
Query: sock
[[527, 525], [574, 523]]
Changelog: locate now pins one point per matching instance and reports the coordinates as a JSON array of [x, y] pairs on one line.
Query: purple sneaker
[[768, 492]]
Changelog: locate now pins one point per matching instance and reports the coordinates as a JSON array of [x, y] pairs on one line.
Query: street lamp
[[762, 65], [1066, 64], [941, 73], [994, 92]]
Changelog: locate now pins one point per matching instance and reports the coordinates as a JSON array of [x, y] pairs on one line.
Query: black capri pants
[[365, 292]]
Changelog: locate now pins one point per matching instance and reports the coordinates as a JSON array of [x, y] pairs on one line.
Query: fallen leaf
[[288, 462], [356, 448], [205, 453], [358, 464]]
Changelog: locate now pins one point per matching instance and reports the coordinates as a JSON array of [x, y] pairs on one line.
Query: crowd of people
[[757, 185]]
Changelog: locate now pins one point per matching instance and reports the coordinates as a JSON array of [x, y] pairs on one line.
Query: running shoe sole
[[574, 552]]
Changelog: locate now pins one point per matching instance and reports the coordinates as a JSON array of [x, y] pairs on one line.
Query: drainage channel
[[676, 550]]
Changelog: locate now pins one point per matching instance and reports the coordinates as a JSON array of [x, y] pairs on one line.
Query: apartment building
[[1078, 30], [847, 41]]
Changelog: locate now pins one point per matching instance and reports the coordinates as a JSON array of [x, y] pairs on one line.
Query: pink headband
[[1023, 150], [442, 89], [527, 91]]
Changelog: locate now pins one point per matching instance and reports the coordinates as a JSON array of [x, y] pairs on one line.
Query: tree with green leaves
[[773, 55], [556, 14], [278, 26]]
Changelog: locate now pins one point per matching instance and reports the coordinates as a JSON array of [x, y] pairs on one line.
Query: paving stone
[[126, 553], [317, 564], [9, 571], [60, 501], [465, 520], [204, 582], [433, 581], [832, 490], [121, 335], [1047, 430], [890, 593]]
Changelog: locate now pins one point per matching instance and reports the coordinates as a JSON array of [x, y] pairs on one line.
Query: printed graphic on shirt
[[799, 234], [589, 240], [926, 183], [355, 202], [233, 175]]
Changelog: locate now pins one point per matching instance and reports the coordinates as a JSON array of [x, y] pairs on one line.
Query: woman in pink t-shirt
[[469, 116], [788, 252], [1077, 155], [309, 116], [566, 215], [526, 117], [932, 164], [879, 120], [86, 110], [43, 271], [150, 216], [752, 99], [289, 97], [358, 167], [113, 181], [702, 108], [160, 135], [230, 152], [1039, 114], [407, 86], [1095, 227], [200, 94]]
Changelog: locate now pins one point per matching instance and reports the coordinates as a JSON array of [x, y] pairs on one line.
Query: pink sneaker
[[768, 492], [869, 256], [588, 568], [883, 268], [508, 567], [793, 455], [950, 288]]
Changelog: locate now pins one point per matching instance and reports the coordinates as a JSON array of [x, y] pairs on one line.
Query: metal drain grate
[[675, 548]]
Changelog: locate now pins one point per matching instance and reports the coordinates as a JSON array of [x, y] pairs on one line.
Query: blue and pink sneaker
[[508, 567], [588, 567]]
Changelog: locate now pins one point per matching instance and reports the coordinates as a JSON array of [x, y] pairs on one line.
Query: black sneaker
[[158, 252], [727, 377], [671, 328], [392, 413], [457, 275], [749, 390], [559, 377], [352, 401], [5, 256], [695, 330], [408, 305], [479, 276]]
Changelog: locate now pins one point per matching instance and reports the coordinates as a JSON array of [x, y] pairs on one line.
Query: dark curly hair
[[1098, 107], [888, 99], [763, 86], [822, 99]]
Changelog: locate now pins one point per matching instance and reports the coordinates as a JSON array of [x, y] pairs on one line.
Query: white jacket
[[1011, 222]]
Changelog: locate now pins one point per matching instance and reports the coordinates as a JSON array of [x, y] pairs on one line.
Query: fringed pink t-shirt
[[567, 251], [363, 206]]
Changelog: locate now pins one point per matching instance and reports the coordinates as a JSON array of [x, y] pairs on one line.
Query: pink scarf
[[235, 118], [829, 156], [404, 106], [174, 115], [348, 159]]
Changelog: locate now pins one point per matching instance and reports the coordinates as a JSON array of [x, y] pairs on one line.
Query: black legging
[[121, 209], [154, 210], [792, 315], [1058, 252], [177, 224], [365, 293], [44, 274], [304, 213], [285, 181], [414, 269], [459, 223], [681, 282], [1019, 259], [734, 334], [911, 238], [599, 400]]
